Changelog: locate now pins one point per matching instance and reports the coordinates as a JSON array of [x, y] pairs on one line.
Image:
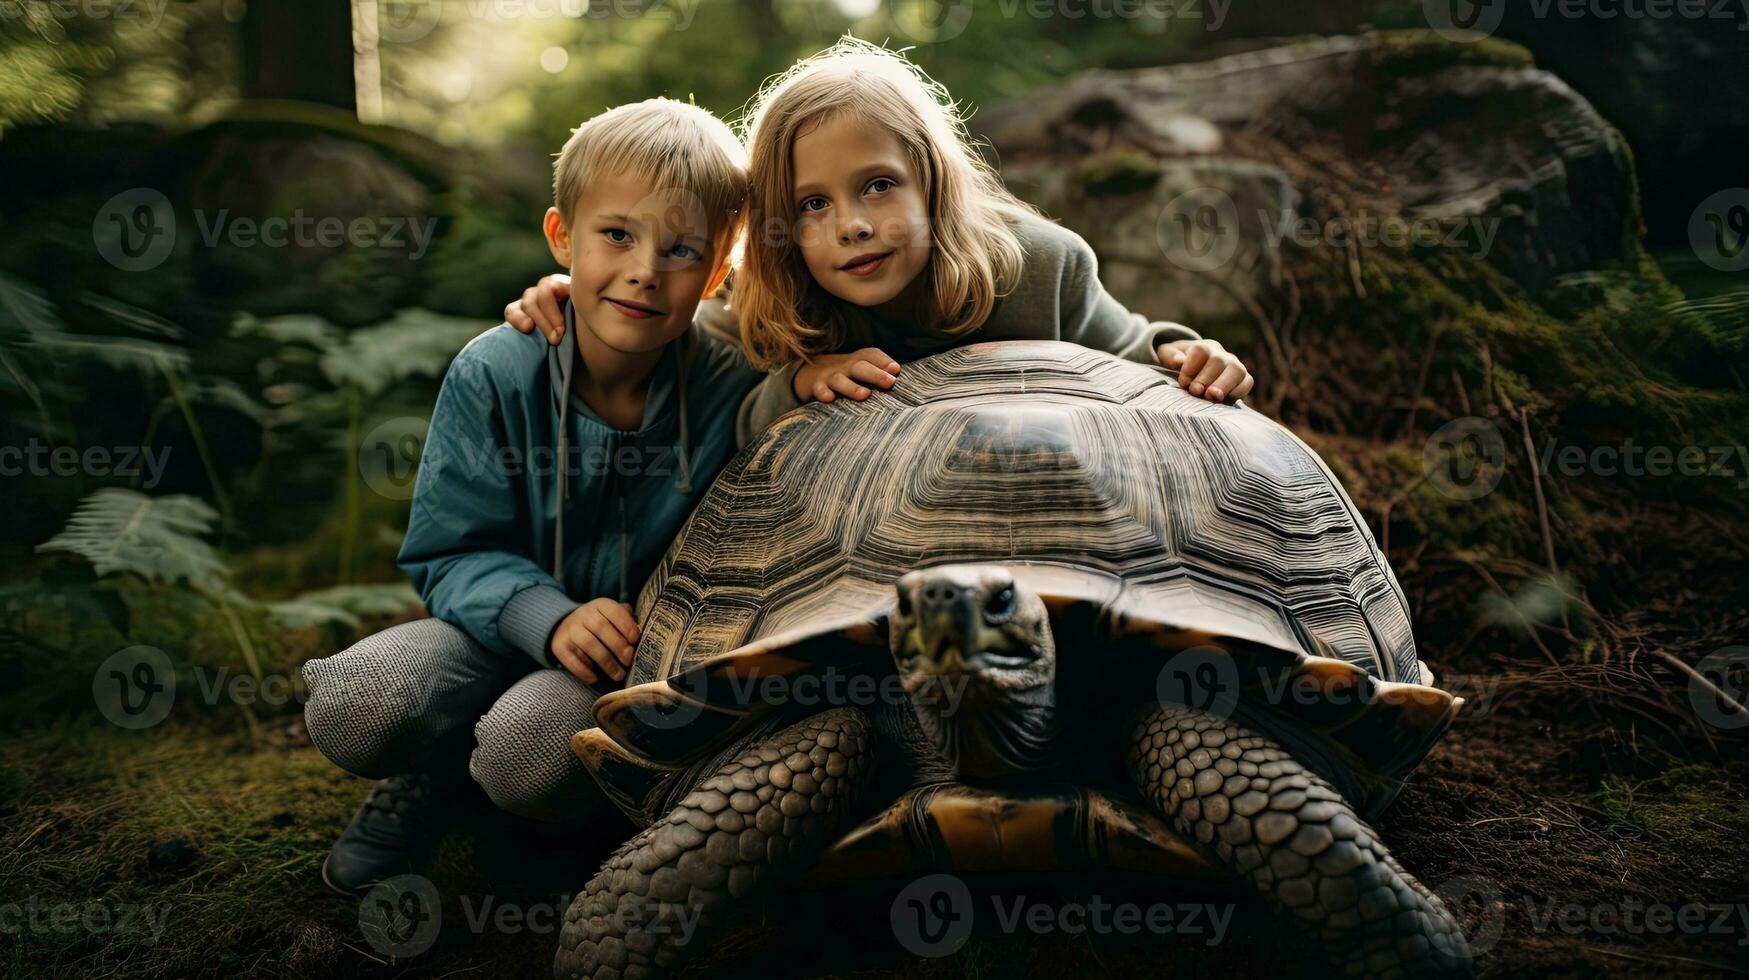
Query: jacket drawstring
[[567, 358], [682, 354]]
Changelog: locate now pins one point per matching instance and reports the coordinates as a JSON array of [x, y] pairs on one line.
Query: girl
[[877, 234]]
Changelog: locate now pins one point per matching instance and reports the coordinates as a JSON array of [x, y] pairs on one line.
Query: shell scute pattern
[[1036, 453]]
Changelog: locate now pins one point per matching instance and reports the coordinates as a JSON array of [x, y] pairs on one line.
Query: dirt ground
[[1554, 827]]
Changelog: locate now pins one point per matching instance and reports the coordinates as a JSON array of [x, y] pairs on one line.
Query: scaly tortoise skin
[[1107, 624]]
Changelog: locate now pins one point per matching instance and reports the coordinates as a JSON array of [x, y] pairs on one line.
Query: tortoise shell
[[1181, 521]]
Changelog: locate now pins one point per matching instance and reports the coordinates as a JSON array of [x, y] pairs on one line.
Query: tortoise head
[[974, 650]]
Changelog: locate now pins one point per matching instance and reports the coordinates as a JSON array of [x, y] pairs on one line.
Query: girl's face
[[863, 221]]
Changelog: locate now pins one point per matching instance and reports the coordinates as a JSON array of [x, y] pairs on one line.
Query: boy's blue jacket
[[480, 545]]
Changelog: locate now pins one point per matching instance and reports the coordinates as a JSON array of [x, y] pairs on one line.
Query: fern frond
[[157, 538], [144, 357], [415, 343], [133, 317], [344, 604], [309, 330], [25, 313]]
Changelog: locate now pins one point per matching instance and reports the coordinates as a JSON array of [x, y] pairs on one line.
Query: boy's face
[[641, 257]]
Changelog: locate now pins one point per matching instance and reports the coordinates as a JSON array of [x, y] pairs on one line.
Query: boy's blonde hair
[[974, 256], [674, 144]]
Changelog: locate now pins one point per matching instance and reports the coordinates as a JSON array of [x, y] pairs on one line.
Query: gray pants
[[403, 701]]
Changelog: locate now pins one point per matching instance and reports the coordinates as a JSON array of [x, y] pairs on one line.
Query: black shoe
[[393, 833]]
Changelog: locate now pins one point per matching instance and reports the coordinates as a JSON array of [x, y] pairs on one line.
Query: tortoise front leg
[[766, 815], [1287, 831]]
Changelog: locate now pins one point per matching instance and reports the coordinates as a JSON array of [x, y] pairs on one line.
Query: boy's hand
[[831, 375], [1206, 369], [542, 307], [598, 636]]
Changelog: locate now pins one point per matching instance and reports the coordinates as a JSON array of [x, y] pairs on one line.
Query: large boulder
[[1189, 179]]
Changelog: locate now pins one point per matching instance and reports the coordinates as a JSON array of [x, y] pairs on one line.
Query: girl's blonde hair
[[974, 257]]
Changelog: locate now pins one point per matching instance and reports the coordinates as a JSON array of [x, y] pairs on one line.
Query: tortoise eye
[[1001, 602]]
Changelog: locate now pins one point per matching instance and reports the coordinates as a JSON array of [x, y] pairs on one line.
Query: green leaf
[[415, 343], [24, 313], [344, 604], [311, 331], [156, 538], [132, 317], [144, 357]]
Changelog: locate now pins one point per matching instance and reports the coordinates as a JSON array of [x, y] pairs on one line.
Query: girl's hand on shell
[[1206, 369], [831, 375], [542, 307]]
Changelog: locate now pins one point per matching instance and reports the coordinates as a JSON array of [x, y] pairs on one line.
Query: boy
[[548, 473]]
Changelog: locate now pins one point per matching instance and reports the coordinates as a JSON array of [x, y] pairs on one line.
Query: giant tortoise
[[1096, 621]]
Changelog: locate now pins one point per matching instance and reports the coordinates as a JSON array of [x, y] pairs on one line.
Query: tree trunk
[[299, 49]]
